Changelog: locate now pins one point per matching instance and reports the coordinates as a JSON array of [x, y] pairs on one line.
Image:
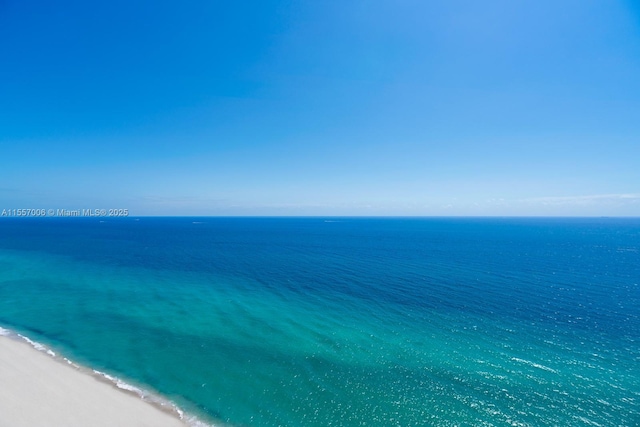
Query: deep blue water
[[343, 321]]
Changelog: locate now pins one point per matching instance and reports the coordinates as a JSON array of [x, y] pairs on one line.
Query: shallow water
[[353, 322]]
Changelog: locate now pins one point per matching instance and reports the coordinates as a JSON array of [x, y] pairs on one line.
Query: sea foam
[[149, 397]]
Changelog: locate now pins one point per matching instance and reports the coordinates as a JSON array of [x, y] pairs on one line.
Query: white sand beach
[[38, 390]]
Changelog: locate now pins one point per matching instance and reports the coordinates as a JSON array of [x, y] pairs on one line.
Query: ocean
[[342, 321]]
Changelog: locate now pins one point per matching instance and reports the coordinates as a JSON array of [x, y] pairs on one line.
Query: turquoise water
[[345, 322]]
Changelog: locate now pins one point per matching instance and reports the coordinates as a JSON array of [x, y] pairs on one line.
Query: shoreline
[[37, 384]]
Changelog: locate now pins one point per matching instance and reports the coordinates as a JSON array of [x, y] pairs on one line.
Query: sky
[[328, 108]]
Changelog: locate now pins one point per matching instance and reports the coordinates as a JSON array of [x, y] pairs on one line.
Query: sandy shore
[[38, 390]]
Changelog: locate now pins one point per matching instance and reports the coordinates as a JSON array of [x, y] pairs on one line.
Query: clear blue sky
[[403, 107]]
